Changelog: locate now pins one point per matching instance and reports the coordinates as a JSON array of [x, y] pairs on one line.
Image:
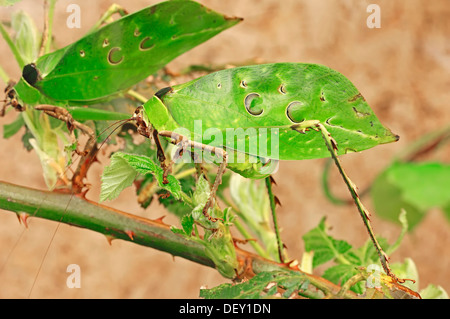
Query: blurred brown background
[[402, 69]]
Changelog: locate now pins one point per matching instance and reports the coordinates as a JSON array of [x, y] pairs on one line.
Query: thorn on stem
[[23, 217], [277, 201], [160, 220], [130, 234], [109, 239]]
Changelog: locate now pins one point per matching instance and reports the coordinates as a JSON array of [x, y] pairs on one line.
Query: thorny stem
[[80, 212], [155, 234]]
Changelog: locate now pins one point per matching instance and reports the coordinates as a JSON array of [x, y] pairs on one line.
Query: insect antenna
[[119, 124]]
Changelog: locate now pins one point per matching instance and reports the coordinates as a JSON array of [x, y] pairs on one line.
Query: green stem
[[75, 211], [185, 173], [259, 250], [137, 96], [3, 75], [256, 246], [325, 185], [12, 46], [49, 35], [425, 144], [114, 8]]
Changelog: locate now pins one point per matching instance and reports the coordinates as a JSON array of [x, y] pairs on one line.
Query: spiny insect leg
[[177, 139], [364, 213], [161, 156]]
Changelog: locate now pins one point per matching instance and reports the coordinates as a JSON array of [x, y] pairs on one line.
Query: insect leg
[[365, 215], [161, 156], [177, 138], [11, 99], [148, 131]]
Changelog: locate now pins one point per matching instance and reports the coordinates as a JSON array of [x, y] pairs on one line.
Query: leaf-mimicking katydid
[[315, 110], [119, 55]]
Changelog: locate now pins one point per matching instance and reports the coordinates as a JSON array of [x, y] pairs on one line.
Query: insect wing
[[126, 51], [262, 103]]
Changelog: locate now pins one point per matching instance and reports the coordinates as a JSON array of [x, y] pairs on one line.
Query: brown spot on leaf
[[357, 96]]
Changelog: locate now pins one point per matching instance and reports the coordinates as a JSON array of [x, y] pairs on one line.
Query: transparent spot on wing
[[146, 44], [269, 167], [105, 43], [251, 103], [294, 112], [114, 56], [243, 84], [282, 89], [82, 53]]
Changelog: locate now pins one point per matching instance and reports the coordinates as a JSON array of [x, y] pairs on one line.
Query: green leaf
[[415, 187], [263, 285], [6, 3], [144, 165], [433, 292], [407, 269], [14, 127], [179, 208], [324, 246], [201, 193], [402, 218], [252, 199], [27, 38], [187, 222], [339, 274], [117, 176], [123, 170]]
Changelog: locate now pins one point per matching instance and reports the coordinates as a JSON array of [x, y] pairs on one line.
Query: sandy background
[[402, 69]]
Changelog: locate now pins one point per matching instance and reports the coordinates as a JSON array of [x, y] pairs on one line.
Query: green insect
[[313, 111], [117, 56]]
